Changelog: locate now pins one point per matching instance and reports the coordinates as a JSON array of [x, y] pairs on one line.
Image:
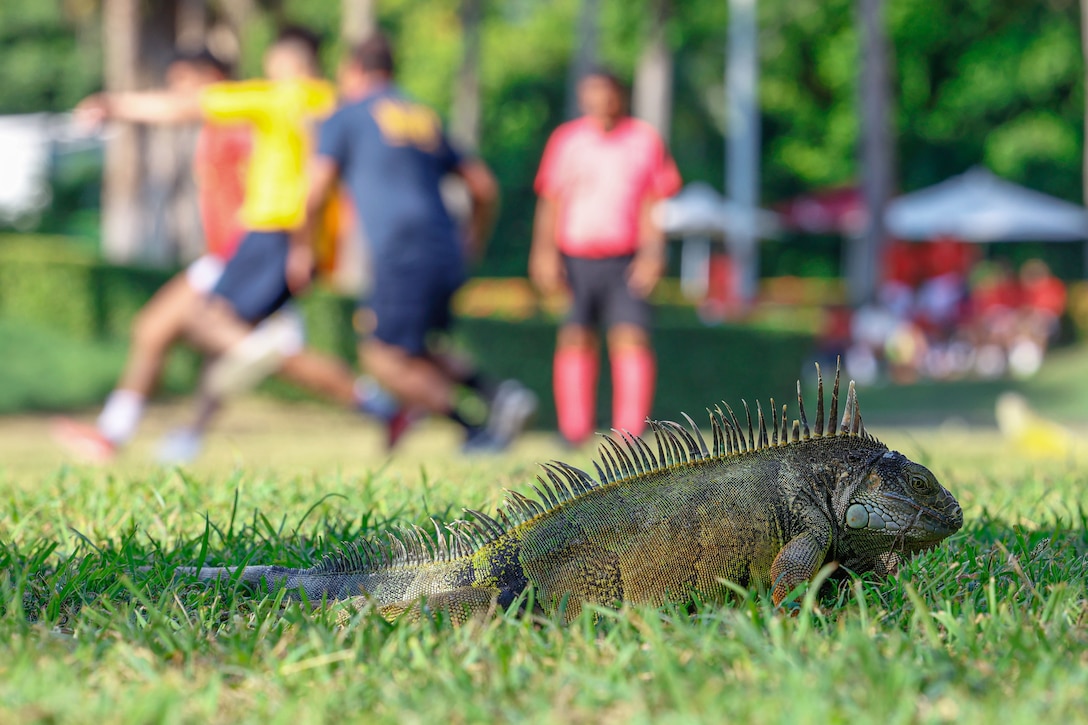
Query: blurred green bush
[[49, 281], [82, 304], [698, 365]]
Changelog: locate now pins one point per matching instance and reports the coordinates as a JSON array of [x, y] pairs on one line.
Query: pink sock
[[633, 373], [575, 382]]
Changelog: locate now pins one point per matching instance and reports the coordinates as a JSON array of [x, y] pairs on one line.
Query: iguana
[[762, 506]]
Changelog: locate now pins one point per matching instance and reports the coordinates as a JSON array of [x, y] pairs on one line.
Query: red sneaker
[[398, 425], [83, 441]]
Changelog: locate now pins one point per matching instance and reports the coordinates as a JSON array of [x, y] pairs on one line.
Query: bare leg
[[272, 347], [217, 330], [184, 444], [577, 336], [158, 326], [276, 346], [323, 374], [207, 407], [624, 337], [213, 327], [456, 366], [510, 404], [414, 380]]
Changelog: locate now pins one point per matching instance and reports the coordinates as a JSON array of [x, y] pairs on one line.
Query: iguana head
[[897, 507]]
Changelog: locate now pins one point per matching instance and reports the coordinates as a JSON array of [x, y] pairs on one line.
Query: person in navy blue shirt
[[392, 154]]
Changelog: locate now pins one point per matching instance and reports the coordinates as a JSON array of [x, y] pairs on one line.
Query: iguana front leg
[[797, 562]]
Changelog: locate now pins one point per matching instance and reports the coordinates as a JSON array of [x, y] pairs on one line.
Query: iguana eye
[[920, 484]]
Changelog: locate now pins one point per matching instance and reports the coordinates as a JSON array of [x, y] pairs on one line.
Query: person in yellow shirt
[[282, 111]]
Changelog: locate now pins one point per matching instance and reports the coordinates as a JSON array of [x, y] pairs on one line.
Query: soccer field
[[992, 626]]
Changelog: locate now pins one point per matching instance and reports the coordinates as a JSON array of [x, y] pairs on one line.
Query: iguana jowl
[[762, 506]]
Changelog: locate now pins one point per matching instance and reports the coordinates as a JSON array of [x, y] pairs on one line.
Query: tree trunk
[[877, 153], [238, 14], [465, 120], [121, 181], [182, 220], [191, 23], [164, 156], [358, 19], [585, 52], [653, 76]]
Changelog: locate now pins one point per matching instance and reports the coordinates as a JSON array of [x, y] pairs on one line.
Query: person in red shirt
[[1043, 299], [1041, 291], [594, 233], [996, 292], [219, 164], [948, 255], [903, 264]]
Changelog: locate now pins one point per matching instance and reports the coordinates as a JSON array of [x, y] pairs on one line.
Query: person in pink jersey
[[594, 233]]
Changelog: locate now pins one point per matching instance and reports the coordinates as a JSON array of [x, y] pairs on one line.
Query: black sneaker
[[481, 442], [511, 410]]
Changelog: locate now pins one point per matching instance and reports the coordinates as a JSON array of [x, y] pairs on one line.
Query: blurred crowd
[[945, 313]]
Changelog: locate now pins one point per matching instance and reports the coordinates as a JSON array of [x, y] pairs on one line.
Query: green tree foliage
[[976, 82], [50, 54], [996, 83]]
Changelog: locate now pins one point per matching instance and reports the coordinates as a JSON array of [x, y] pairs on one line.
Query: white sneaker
[[181, 445]]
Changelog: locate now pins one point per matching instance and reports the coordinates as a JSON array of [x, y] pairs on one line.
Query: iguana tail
[[464, 568], [406, 566], [316, 585]]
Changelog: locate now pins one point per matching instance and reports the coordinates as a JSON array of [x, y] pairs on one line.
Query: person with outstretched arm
[[281, 112], [220, 159]]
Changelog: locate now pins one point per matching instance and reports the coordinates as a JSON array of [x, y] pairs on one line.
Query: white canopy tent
[[977, 206], [698, 215], [699, 209]]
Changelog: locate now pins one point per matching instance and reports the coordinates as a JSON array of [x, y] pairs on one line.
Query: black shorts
[[601, 296], [409, 305], [254, 281]]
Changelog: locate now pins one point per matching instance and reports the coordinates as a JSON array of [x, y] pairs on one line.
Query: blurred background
[[899, 182]]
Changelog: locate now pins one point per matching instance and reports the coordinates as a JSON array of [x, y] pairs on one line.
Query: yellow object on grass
[[1030, 432]]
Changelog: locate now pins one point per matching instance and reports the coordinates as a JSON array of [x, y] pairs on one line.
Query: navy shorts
[[254, 281], [600, 295], [409, 305]]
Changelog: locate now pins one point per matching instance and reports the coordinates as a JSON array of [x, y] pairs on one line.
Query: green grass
[[992, 626]]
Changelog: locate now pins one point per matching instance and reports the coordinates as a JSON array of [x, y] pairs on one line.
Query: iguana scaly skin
[[762, 506]]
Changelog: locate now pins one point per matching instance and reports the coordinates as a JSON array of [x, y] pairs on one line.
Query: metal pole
[[876, 153], [652, 97], [742, 143]]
